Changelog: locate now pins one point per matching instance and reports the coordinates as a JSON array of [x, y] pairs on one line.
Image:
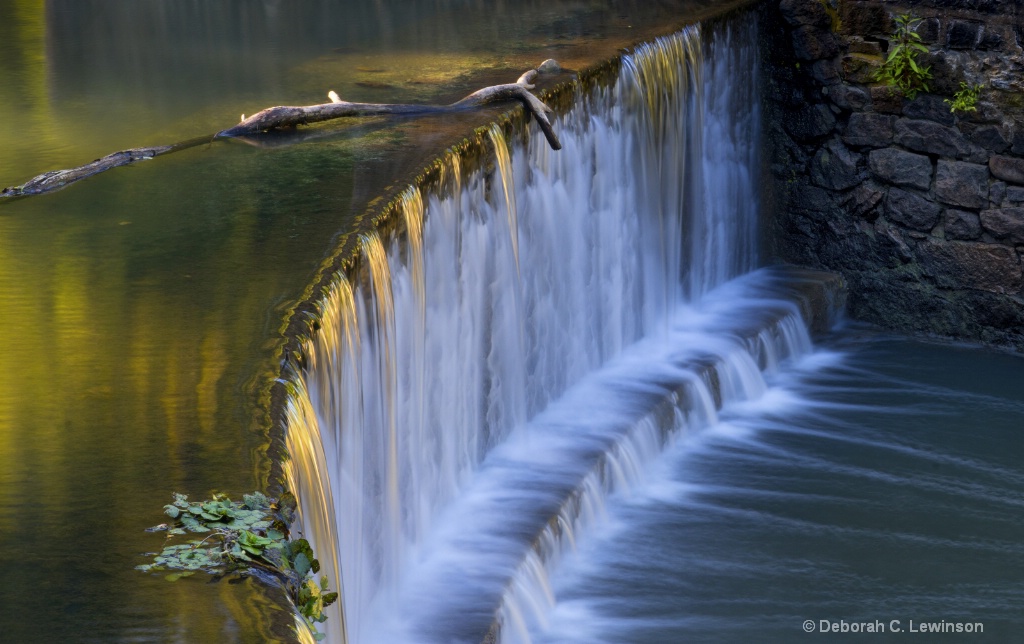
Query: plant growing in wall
[[900, 68], [965, 100], [247, 538]]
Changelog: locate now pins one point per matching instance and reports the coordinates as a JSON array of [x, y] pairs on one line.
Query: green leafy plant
[[247, 538], [900, 68], [965, 100]]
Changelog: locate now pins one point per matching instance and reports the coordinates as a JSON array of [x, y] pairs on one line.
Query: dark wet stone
[[849, 97], [812, 43], [863, 201], [802, 13], [930, 137], [997, 192], [900, 167], [988, 137], [827, 71], [959, 183], [945, 70], [865, 19], [963, 34], [1014, 194], [887, 100], [990, 40], [808, 198], [860, 68], [1018, 143], [928, 29], [835, 167], [1007, 168], [911, 210], [857, 45], [970, 265], [893, 242], [1004, 223], [929, 107], [867, 129], [809, 123], [961, 224]]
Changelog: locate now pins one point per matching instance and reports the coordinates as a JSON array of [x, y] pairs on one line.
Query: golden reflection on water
[[128, 361], [24, 95], [140, 309]]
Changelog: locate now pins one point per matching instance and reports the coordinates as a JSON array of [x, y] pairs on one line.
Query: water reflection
[[141, 309], [135, 314]]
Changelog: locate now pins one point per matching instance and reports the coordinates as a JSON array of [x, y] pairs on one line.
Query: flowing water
[[503, 293], [141, 310], [527, 431], [555, 402], [876, 482]]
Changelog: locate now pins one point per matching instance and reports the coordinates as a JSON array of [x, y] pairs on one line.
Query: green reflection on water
[[137, 309], [140, 310]]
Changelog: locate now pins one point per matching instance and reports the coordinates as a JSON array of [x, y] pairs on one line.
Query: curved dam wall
[[439, 368], [505, 276], [921, 209]]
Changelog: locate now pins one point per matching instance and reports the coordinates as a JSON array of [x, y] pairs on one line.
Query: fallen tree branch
[[57, 179], [290, 116], [281, 117]]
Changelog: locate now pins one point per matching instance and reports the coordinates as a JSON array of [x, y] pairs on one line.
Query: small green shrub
[[966, 100], [900, 68], [247, 538]]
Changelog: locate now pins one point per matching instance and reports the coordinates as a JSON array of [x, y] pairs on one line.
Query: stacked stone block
[[921, 209]]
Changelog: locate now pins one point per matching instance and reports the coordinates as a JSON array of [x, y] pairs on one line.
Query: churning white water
[[536, 335]]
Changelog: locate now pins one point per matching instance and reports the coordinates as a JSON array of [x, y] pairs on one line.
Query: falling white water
[[495, 543], [505, 293], [725, 237]]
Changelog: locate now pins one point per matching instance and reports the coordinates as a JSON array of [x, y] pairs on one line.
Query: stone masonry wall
[[920, 209]]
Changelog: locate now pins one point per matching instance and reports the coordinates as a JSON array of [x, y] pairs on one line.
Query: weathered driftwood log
[[289, 116], [286, 117]]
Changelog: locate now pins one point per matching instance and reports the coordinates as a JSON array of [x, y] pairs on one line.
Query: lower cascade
[[532, 336]]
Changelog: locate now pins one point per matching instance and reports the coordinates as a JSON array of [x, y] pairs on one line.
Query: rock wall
[[921, 209]]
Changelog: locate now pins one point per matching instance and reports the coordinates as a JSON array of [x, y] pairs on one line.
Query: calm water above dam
[[141, 314]]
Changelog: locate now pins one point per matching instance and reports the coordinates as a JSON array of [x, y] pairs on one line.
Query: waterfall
[[507, 298]]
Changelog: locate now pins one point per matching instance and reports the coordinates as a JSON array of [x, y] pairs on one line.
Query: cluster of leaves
[[965, 100], [243, 538], [900, 68]]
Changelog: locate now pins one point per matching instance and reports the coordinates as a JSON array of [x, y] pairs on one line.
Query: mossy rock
[[861, 68]]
